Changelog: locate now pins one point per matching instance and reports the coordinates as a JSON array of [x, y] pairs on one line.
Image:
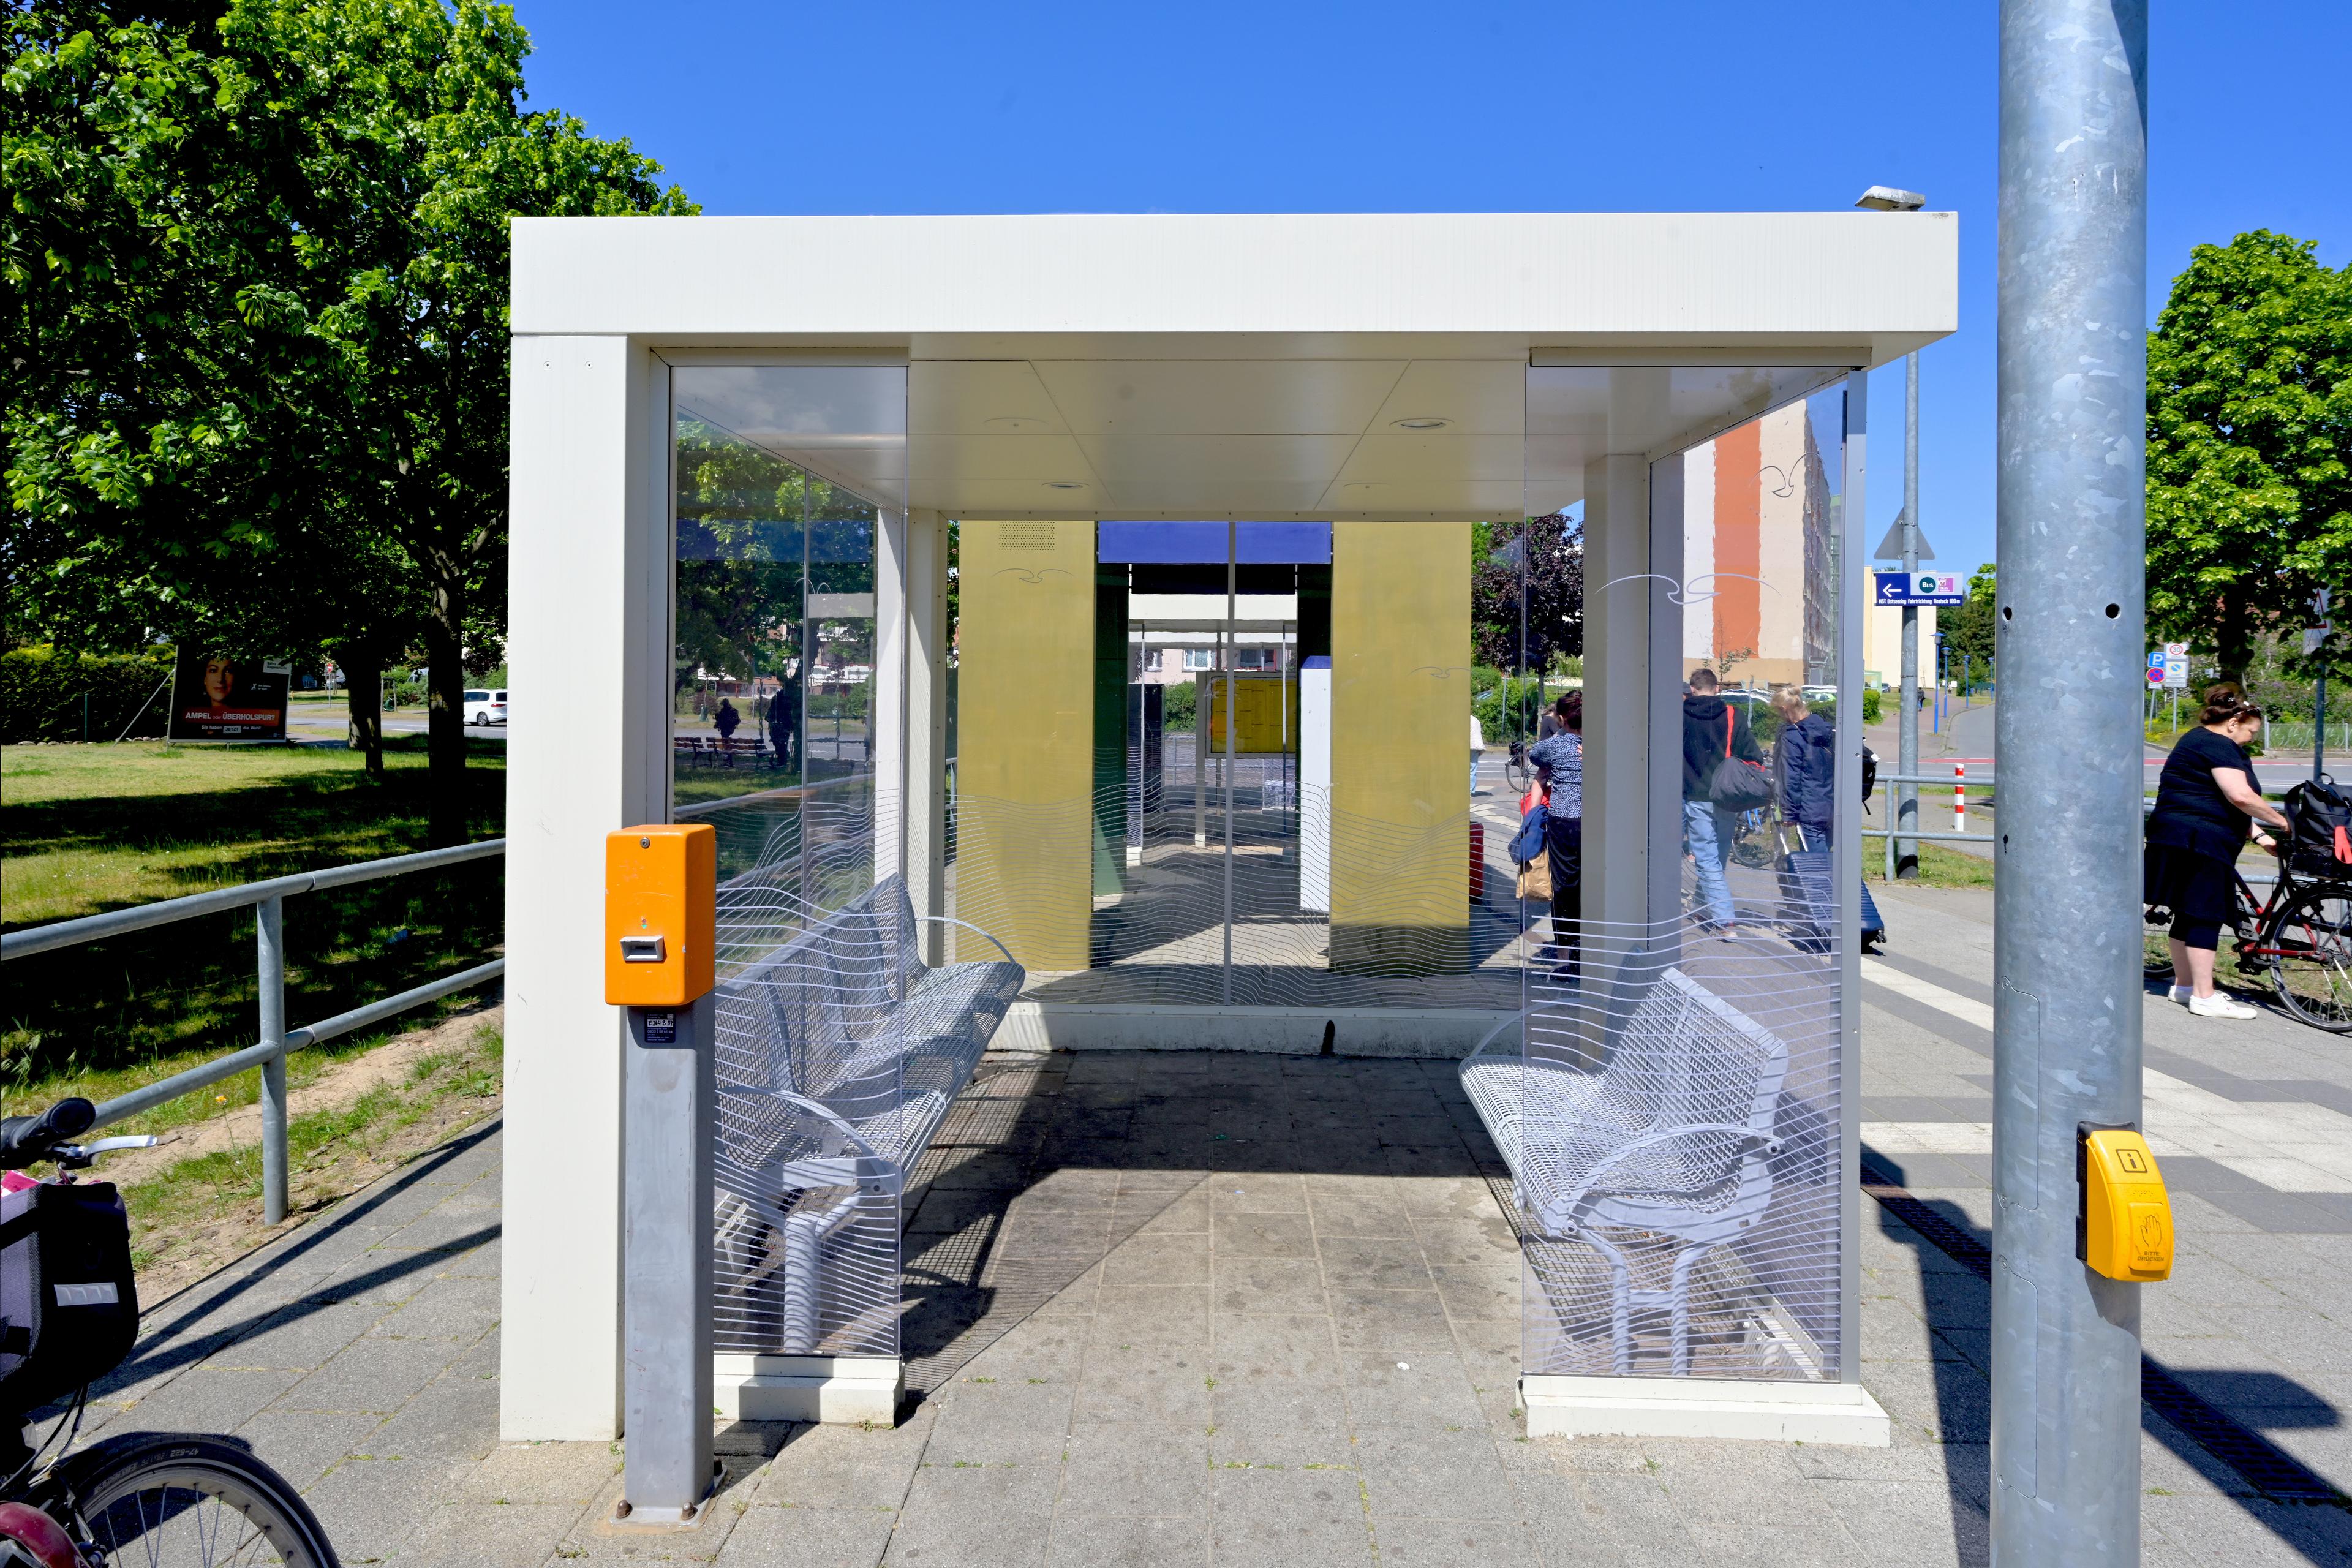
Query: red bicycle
[[2300, 937]]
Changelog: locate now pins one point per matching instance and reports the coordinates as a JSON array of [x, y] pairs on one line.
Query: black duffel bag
[[2319, 829], [68, 1311]]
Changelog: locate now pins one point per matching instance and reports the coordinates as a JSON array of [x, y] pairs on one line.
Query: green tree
[[1967, 628], [259, 253], [2249, 432]]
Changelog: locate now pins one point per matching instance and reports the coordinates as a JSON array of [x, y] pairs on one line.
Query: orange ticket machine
[[661, 894]]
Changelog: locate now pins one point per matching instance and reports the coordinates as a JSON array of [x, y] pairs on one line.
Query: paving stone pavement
[[1193, 1309]]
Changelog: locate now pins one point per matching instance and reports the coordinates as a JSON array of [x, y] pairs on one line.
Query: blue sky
[[760, 107]]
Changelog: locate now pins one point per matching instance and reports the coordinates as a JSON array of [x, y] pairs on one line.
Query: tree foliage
[[1542, 557], [258, 257], [2248, 436], [1967, 628]]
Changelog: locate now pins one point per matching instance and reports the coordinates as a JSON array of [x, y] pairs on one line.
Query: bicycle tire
[[169, 1499], [2308, 947]]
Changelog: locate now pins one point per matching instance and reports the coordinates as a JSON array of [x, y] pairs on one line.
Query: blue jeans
[[1707, 832]]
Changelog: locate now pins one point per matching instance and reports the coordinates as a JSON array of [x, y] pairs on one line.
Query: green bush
[[1181, 698], [1872, 706], [41, 693], [1507, 710]]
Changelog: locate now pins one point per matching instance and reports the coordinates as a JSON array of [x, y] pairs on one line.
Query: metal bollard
[[269, 947]]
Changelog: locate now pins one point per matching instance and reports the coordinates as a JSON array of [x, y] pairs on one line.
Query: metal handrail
[[141, 917], [267, 899]]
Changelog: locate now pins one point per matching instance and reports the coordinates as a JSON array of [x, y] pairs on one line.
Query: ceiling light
[[1421, 422], [1887, 199], [1063, 485], [1013, 422]]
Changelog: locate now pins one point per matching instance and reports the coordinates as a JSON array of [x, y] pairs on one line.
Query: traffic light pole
[[2067, 968]]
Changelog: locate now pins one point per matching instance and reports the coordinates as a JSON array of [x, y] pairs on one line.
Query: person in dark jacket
[[2204, 798], [1805, 769], [1712, 729], [726, 718]]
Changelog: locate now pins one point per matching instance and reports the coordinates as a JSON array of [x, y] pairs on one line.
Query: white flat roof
[[1253, 286]]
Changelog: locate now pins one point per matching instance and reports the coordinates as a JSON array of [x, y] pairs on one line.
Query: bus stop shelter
[[1096, 607]]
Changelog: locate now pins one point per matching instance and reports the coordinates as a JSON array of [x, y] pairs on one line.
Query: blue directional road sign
[[1920, 588]]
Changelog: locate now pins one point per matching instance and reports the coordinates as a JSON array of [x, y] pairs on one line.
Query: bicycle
[[2300, 937], [1517, 771], [69, 1313]]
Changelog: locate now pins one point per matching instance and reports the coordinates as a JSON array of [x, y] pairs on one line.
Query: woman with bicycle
[[2206, 802]]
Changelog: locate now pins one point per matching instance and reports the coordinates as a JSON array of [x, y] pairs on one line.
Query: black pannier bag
[[2319, 829], [68, 1309]]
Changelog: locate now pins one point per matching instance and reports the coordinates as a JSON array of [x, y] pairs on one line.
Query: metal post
[[1845, 873], [669, 1115], [2073, 304], [1232, 723], [269, 946], [2319, 698], [1906, 727]]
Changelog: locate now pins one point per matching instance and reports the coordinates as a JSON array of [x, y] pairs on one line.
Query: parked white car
[[486, 707]]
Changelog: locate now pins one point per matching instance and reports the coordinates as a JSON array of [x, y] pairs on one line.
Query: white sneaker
[[2180, 994], [2221, 1004]]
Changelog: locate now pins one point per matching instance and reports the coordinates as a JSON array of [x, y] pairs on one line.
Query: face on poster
[[218, 695]]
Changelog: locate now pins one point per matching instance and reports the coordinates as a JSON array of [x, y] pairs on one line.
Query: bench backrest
[[817, 1017], [1688, 1057]]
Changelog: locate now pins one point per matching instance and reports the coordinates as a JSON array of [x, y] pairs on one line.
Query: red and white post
[[1959, 797]]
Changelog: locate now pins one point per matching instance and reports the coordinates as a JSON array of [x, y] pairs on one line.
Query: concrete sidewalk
[[1184, 1307]]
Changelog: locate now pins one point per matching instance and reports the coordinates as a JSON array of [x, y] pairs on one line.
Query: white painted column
[[890, 691], [1617, 703], [589, 610], [924, 785]]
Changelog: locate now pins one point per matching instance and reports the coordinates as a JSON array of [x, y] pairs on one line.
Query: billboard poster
[[223, 696]]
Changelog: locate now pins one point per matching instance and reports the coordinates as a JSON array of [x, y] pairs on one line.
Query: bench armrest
[[950, 921], [1489, 1039], [1751, 1140]]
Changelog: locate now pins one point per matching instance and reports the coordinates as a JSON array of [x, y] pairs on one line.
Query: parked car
[[486, 707]]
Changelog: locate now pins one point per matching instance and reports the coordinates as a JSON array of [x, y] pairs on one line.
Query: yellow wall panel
[[1270, 711], [1025, 774], [1400, 747]]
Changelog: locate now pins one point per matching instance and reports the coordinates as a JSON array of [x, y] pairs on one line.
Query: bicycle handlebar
[[24, 1140]]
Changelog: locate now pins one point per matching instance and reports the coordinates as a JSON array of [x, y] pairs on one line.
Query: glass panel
[[1283, 817], [1676, 1146], [780, 473], [779, 478]]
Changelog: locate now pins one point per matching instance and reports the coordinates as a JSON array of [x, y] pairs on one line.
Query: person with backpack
[[1804, 787], [1723, 775], [2206, 799]]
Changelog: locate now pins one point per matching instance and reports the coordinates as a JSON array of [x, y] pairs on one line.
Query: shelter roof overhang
[[1257, 366]]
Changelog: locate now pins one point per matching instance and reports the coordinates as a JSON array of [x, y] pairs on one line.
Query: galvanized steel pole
[[2066, 1032], [269, 946]]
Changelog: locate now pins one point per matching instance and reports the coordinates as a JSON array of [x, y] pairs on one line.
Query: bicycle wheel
[[2308, 947], [165, 1499]]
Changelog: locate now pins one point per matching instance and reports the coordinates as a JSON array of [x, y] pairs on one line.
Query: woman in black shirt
[[2203, 801]]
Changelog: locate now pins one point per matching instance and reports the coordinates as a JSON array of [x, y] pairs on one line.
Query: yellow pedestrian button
[[2126, 1219]]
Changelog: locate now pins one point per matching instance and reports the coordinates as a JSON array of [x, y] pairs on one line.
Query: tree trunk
[[363, 691], [2233, 639], [444, 741]]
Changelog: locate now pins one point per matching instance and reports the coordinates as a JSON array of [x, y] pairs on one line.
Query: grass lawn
[[88, 828]]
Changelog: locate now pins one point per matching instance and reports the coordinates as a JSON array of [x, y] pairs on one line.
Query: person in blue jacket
[[1805, 769], [1559, 761]]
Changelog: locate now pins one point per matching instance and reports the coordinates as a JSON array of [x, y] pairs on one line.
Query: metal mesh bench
[[1673, 1138], [838, 1056]]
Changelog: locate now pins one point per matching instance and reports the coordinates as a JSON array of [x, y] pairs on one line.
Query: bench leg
[[1679, 1312]]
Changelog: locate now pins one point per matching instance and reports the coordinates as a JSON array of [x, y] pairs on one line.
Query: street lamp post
[[1885, 198]]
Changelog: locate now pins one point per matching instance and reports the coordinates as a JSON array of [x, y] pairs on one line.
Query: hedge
[[41, 693]]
